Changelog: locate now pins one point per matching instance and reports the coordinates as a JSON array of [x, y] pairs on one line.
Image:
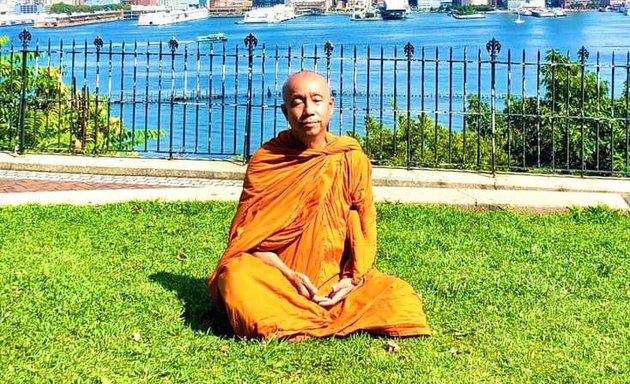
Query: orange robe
[[315, 209]]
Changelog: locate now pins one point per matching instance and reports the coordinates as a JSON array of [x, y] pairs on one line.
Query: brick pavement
[[28, 181]]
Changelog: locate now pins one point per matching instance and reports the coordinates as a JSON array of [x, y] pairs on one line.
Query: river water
[[219, 129]]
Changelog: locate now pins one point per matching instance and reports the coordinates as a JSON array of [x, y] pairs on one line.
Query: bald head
[[302, 77]]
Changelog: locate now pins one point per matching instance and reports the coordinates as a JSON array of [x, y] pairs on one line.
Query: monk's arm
[[362, 220], [300, 281]]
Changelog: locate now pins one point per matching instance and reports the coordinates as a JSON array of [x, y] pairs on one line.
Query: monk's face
[[308, 107]]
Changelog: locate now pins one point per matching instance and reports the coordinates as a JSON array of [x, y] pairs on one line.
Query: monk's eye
[[296, 102]]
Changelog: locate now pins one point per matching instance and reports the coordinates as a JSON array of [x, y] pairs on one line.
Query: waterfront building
[[144, 3], [232, 4], [425, 5], [311, 7], [266, 3], [574, 4], [474, 2], [525, 4]]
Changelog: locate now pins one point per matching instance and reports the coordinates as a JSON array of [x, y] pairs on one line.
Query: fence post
[[25, 38], [583, 55], [493, 47], [98, 43], [409, 51], [172, 44], [250, 42]]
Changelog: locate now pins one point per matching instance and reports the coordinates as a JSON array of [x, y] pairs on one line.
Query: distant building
[[425, 5], [145, 3], [28, 7], [309, 7], [528, 4], [474, 2], [266, 3], [240, 4]]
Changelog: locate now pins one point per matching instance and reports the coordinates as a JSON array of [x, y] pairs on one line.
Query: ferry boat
[[366, 15], [394, 9], [269, 15], [173, 16], [457, 15], [212, 38]]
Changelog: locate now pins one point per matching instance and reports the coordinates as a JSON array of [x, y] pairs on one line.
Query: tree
[[57, 117]]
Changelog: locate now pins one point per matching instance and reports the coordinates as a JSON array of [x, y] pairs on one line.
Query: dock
[[63, 20]]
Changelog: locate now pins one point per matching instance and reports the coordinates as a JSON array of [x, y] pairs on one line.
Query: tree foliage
[[57, 117], [574, 125]]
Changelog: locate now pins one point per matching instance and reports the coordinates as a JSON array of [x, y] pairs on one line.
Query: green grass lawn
[[117, 294]]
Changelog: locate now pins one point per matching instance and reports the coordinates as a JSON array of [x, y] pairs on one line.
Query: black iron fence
[[491, 109]]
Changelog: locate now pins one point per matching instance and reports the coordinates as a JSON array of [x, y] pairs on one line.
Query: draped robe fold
[[315, 209]]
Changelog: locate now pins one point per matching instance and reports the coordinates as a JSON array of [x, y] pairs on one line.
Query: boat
[[518, 20], [543, 13], [366, 15], [559, 12], [172, 16], [457, 15], [212, 38], [269, 15], [394, 9]]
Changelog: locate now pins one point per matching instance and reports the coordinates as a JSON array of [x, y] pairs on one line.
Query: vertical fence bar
[[583, 56], [509, 109], [479, 108], [172, 44], [493, 47], [146, 97], [395, 101], [341, 90], [262, 94], [450, 106], [98, 43], [197, 95], [611, 123], [538, 137], [409, 51], [436, 94], [25, 37], [422, 97], [367, 100], [464, 110], [597, 122], [381, 101], [122, 92], [553, 112], [250, 42], [235, 120], [134, 92], [354, 90]]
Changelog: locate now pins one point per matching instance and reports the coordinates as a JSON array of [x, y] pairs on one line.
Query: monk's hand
[[339, 292], [303, 284]]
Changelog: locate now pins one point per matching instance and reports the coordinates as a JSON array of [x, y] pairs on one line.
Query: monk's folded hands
[[339, 291]]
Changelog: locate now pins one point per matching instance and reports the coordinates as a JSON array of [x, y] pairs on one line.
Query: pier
[[59, 21]]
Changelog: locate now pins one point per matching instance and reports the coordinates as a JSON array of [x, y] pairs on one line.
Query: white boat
[[269, 15], [212, 38], [366, 15], [172, 16]]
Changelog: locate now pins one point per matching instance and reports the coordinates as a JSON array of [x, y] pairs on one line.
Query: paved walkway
[[45, 179]]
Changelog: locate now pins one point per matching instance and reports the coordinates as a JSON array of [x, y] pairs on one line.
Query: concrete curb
[[382, 176]]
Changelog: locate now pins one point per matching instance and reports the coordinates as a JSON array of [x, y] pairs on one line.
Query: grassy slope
[[510, 298]]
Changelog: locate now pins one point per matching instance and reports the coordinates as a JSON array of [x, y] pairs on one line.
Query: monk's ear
[[284, 111], [331, 104]]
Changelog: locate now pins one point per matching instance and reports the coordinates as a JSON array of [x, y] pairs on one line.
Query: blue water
[[216, 124], [597, 31]]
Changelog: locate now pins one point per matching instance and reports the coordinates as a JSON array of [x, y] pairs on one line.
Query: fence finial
[[98, 42], [173, 44], [25, 37], [493, 47], [328, 48], [583, 54], [409, 50], [251, 41]]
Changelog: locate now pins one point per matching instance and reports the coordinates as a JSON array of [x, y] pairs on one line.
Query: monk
[[299, 261]]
